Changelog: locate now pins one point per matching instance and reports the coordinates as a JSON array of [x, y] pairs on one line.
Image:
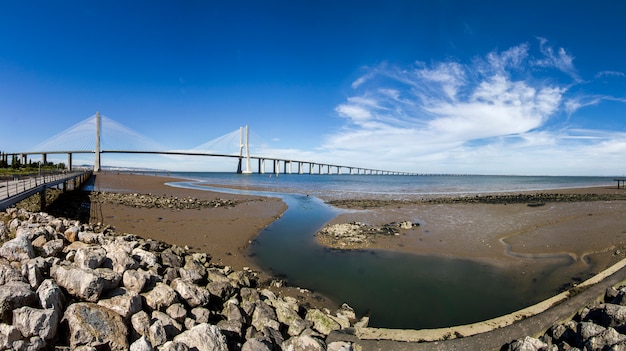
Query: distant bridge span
[[278, 165], [302, 167]]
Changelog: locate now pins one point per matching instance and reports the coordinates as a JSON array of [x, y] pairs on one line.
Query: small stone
[[177, 312]]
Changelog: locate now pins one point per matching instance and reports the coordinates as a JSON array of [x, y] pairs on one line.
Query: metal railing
[[12, 191]]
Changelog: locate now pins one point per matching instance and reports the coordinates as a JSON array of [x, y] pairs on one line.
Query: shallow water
[[397, 290]]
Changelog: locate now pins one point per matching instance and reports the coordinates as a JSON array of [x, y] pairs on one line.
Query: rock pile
[[598, 327], [158, 201], [531, 199], [67, 284], [358, 235]]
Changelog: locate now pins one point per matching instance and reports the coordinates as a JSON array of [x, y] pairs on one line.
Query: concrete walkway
[[492, 334]]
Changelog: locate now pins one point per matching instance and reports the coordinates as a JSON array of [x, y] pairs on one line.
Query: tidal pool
[[397, 290]]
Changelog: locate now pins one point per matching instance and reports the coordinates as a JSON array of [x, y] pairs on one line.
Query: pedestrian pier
[[16, 190]]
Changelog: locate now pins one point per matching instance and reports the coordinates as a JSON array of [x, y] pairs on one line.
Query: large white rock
[[290, 318], [145, 258], [264, 316], [160, 297], [303, 343], [18, 249], [95, 326], [172, 327], [140, 322], [123, 302], [141, 344], [528, 344], [9, 274], [203, 337], [322, 322], [15, 295], [135, 280], [36, 322], [83, 283], [193, 294], [8, 335], [120, 261], [255, 344], [90, 258], [52, 247], [51, 296]]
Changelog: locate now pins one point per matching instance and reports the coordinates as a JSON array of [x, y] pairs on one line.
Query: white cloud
[[609, 74], [560, 60], [480, 117]]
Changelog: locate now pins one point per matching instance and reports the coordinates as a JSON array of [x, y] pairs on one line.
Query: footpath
[[492, 334]]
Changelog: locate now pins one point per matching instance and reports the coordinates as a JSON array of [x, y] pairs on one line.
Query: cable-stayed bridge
[[93, 135]]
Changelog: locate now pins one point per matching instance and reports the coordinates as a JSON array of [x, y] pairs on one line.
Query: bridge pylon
[[248, 169], [96, 164]]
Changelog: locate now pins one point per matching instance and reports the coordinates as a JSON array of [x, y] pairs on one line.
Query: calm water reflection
[[397, 290]]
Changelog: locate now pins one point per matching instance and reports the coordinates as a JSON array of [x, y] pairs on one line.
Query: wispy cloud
[[609, 74], [505, 112], [558, 58]]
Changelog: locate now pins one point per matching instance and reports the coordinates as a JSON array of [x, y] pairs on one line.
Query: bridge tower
[[248, 170], [96, 164]]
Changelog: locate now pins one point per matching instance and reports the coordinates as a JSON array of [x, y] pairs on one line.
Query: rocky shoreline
[[531, 199], [68, 284], [598, 327], [60, 278]]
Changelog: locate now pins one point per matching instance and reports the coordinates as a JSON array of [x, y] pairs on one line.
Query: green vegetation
[[16, 167]]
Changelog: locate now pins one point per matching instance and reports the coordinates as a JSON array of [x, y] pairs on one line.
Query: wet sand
[[223, 232], [591, 234]]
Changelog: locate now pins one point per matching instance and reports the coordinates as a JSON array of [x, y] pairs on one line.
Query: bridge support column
[[69, 162], [96, 164], [239, 171], [44, 159], [42, 199]]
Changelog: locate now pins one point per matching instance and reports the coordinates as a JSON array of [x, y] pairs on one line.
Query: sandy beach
[[591, 233], [223, 232]]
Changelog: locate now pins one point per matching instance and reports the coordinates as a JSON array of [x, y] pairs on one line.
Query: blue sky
[[481, 87]]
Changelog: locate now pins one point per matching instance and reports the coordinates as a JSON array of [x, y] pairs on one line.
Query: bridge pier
[[239, 171], [42, 199], [69, 161]]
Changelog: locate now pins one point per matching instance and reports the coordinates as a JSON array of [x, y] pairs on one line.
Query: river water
[[397, 290]]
